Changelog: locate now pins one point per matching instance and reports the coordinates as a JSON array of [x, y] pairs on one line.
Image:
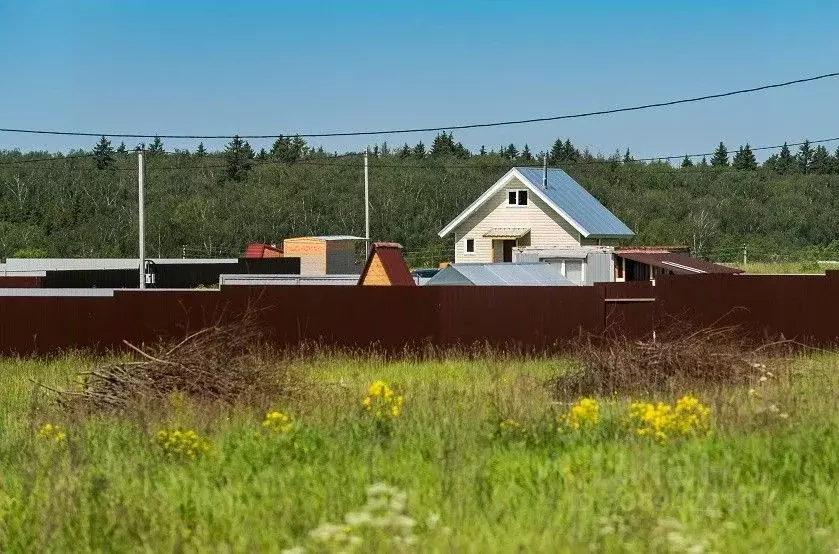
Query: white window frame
[[518, 196], [466, 245]]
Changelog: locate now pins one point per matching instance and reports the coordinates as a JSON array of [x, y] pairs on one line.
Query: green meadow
[[480, 457]]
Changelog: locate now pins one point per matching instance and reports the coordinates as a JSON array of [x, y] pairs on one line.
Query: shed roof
[[503, 274], [679, 264], [564, 195], [507, 232], [327, 238], [390, 255]]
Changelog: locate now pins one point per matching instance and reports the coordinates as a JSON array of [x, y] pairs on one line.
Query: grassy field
[[480, 458], [802, 267]]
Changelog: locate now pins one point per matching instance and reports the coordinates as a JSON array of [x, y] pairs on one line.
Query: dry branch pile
[[679, 356], [213, 364]]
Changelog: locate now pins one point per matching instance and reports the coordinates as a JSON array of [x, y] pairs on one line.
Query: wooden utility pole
[[141, 177]]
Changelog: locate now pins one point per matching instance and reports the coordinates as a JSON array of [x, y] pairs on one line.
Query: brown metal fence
[[392, 318]]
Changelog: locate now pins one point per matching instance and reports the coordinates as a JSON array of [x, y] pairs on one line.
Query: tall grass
[[764, 480]]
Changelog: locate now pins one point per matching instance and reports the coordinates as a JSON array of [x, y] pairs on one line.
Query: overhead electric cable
[[442, 127]]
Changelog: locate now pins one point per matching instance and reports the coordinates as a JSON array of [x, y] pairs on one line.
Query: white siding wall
[[547, 228]]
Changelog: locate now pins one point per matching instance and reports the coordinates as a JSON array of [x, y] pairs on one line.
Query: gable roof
[[564, 195], [395, 266], [500, 274]]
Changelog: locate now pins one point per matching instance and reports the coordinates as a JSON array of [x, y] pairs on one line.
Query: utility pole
[[745, 258], [141, 177], [366, 203]]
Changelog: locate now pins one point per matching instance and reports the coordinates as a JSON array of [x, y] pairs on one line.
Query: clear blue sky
[[260, 68]]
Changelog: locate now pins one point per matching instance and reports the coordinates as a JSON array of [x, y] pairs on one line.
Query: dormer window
[[517, 197]]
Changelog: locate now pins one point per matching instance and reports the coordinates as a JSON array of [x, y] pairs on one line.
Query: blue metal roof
[[501, 274], [578, 203]]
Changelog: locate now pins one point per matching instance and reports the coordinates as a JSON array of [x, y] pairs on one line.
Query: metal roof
[[62, 264], [503, 274], [678, 264], [579, 204]]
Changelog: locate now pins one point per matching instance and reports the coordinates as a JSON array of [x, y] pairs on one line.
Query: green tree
[[526, 154], [822, 163], [627, 158], [557, 153], [405, 151], [571, 153], [686, 162], [511, 152], [720, 158], [122, 151], [805, 157], [104, 154], [419, 150], [262, 156], [785, 162], [483, 151], [156, 146], [238, 159], [704, 162], [745, 159], [200, 152]]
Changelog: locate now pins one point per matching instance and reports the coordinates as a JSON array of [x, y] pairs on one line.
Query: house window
[[517, 198], [470, 246]]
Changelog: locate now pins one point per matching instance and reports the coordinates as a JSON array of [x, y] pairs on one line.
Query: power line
[[445, 127]]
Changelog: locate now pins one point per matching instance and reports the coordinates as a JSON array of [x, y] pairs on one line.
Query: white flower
[[293, 550], [433, 520], [762, 379], [358, 519]]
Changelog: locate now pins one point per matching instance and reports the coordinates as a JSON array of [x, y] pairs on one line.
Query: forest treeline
[[201, 203]]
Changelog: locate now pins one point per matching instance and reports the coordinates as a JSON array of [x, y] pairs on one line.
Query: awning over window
[[506, 232]]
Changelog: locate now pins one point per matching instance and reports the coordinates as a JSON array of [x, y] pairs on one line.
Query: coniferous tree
[[419, 150], [384, 150], [686, 162], [745, 159], [238, 159], [104, 154], [557, 153], [483, 151], [785, 163], [571, 153], [704, 162], [200, 152], [122, 150], [805, 157], [248, 150], [262, 156], [821, 164], [525, 154], [405, 151], [720, 158], [627, 158], [156, 147], [512, 152]]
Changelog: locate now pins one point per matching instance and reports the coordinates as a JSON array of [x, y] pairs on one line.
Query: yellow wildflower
[[184, 444], [278, 422], [381, 401], [585, 413], [50, 432], [660, 420]]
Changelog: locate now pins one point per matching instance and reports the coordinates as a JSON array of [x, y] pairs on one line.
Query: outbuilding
[[501, 274]]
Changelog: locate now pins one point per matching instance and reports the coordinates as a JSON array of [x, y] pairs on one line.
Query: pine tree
[[557, 153], [238, 160], [686, 162], [483, 151], [720, 158], [822, 164], [262, 156], [405, 151], [745, 159], [525, 154], [384, 150], [104, 154], [200, 152], [512, 152], [419, 150], [627, 158], [248, 150], [571, 153], [805, 157], [704, 162], [785, 163], [156, 146], [122, 150]]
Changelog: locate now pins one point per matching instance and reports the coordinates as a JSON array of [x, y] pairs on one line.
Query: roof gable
[[389, 256], [563, 195]]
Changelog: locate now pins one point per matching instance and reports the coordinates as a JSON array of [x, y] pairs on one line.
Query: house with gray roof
[[534, 210]]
